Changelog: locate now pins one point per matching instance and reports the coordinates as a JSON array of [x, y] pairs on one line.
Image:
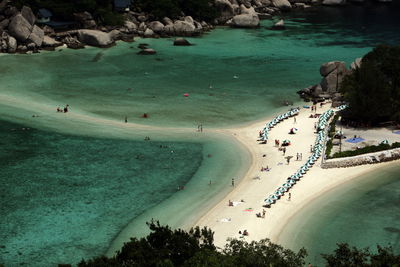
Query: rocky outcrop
[[370, 158], [333, 74], [247, 19], [148, 33], [181, 28], [282, 4], [95, 38], [156, 26], [27, 13], [36, 36], [73, 43], [20, 28], [50, 42], [226, 9], [12, 45]]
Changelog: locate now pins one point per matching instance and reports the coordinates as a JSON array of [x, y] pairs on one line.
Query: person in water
[[66, 108]]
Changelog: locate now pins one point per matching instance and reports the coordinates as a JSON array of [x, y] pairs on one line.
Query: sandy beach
[[226, 221]]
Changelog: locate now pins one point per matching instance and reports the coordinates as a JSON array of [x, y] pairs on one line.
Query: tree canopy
[[167, 247], [373, 89]]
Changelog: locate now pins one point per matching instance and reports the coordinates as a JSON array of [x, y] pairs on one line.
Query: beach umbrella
[[273, 197]]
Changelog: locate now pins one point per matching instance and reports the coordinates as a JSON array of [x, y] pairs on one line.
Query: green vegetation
[[344, 256], [365, 150], [373, 90], [198, 9], [331, 134], [102, 10], [167, 247]]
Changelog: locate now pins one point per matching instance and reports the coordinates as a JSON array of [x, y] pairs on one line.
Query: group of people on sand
[[265, 169], [64, 110], [245, 233]]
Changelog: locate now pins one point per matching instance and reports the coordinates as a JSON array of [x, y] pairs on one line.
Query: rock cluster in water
[[332, 74], [20, 32]]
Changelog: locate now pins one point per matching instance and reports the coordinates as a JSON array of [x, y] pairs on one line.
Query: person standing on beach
[[294, 120], [233, 182], [290, 196], [284, 150], [311, 148]]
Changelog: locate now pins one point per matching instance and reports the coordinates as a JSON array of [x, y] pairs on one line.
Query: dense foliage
[[102, 10], [344, 256], [198, 9], [365, 150], [373, 90], [167, 247], [331, 134]]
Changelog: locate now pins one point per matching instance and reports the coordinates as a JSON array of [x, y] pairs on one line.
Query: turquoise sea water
[[56, 177], [364, 213]]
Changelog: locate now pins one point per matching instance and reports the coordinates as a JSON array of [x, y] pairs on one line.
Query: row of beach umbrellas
[[316, 153], [275, 121]]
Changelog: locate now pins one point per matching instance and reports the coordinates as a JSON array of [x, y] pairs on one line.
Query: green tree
[[373, 90], [167, 247]]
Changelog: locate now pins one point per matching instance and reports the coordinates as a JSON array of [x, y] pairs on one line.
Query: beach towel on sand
[[355, 140]]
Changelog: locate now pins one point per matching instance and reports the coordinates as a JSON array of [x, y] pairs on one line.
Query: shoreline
[[341, 188], [305, 192]]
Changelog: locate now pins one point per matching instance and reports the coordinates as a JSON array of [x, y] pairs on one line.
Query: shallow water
[[233, 76], [363, 213]]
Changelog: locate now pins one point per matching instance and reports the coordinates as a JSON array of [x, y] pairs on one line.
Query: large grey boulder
[[20, 28], [328, 67], [36, 36], [184, 28], [167, 21], [333, 2], [50, 42], [95, 38], [225, 9], [282, 4], [130, 26], [245, 21], [4, 24], [148, 33], [27, 13], [333, 73], [156, 26]]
